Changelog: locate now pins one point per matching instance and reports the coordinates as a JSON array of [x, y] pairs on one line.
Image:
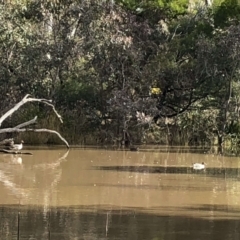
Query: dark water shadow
[[217, 208], [110, 223], [154, 187], [154, 148], [209, 172]]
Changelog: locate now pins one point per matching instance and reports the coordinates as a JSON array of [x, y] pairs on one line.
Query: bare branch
[[27, 123], [34, 130], [19, 128], [11, 111], [54, 109], [7, 142], [25, 100], [49, 131]]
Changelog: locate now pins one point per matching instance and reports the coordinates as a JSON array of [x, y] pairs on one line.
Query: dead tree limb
[[9, 130], [19, 128], [34, 120], [25, 100], [7, 142], [15, 152]]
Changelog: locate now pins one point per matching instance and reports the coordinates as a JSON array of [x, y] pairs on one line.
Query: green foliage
[[227, 13], [172, 8], [74, 93], [103, 61], [199, 125]]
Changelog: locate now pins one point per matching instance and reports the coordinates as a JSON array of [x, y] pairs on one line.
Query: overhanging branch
[[8, 130], [34, 120], [25, 100], [20, 127]]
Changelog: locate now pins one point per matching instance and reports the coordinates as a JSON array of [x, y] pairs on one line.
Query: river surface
[[99, 194]]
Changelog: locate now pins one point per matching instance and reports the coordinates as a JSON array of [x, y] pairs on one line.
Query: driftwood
[[7, 142], [22, 127], [15, 152], [34, 130]]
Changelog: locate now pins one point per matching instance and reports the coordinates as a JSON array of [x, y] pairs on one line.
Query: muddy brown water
[[98, 194]]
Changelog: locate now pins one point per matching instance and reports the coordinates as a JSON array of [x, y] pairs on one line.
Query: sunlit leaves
[[155, 91]]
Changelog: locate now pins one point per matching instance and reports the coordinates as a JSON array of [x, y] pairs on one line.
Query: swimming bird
[[17, 147], [199, 166], [134, 149]]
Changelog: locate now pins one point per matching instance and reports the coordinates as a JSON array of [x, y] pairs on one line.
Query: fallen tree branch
[[53, 108], [7, 142], [15, 152], [34, 120], [28, 99], [22, 127], [8, 130]]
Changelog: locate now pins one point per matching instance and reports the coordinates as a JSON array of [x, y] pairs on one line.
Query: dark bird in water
[[134, 149]]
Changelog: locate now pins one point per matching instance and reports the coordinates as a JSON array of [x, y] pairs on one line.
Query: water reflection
[[99, 194], [20, 177], [214, 172], [80, 223]]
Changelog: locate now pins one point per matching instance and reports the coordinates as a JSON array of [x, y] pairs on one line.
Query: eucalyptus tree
[[217, 58], [227, 64], [115, 55], [108, 64]]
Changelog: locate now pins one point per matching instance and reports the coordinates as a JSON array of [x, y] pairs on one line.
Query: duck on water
[[199, 166], [18, 146], [15, 147]]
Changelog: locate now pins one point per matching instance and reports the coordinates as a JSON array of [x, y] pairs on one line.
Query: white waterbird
[[199, 166]]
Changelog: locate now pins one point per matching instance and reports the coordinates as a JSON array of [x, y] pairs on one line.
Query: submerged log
[[15, 152]]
